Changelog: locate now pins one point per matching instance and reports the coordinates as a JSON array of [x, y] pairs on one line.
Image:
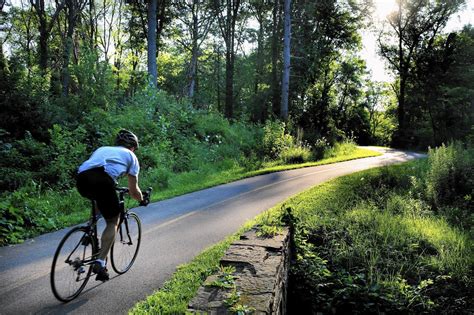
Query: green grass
[[33, 210], [355, 245], [206, 177], [176, 293]]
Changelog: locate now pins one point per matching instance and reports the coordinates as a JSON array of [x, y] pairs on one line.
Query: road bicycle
[[79, 249]]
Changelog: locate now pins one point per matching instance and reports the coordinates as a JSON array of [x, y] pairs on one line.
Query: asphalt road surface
[[174, 231]]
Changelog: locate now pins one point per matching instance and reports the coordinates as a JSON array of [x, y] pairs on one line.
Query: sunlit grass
[[455, 251], [200, 179], [397, 248]]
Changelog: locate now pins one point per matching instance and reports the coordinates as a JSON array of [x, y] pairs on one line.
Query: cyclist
[[96, 180]]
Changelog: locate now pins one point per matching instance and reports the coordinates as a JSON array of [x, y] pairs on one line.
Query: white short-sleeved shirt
[[115, 160]]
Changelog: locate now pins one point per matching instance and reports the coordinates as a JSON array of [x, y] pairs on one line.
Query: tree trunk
[[93, 25], [44, 29], [43, 48], [285, 82], [232, 9], [229, 83], [195, 50], [66, 57], [151, 40], [260, 105], [275, 54], [71, 21], [218, 77]]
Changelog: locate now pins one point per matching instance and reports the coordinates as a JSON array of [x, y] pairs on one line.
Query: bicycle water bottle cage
[[86, 240]]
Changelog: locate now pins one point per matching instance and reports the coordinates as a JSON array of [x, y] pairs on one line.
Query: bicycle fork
[[127, 232]]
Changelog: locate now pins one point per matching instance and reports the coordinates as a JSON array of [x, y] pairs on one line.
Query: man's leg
[[108, 236]]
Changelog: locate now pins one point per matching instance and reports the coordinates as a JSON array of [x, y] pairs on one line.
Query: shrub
[[320, 146], [275, 139], [68, 152], [157, 177], [296, 154], [449, 183], [340, 148], [22, 161]]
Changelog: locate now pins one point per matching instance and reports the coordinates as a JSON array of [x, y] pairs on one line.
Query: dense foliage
[[380, 241], [182, 149]]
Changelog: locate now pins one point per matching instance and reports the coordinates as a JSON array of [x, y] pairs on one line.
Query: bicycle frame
[[123, 214], [91, 231]]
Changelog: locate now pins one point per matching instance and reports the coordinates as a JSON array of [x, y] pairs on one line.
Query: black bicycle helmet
[[126, 139]]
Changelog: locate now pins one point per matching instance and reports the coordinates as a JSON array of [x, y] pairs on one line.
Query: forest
[[223, 87], [72, 72]]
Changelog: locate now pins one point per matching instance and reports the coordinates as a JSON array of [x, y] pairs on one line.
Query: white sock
[[101, 261]]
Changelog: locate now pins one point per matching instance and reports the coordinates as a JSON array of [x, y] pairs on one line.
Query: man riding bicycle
[[96, 180]]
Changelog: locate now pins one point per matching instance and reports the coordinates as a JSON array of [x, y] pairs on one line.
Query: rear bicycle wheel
[[127, 243], [72, 266]]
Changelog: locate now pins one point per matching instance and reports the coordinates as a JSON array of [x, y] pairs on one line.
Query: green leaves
[[370, 243]]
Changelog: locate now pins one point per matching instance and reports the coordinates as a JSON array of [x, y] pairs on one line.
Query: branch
[[55, 16]]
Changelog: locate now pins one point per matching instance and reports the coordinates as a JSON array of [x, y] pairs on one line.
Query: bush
[[68, 152], [22, 161], [449, 184], [321, 145], [296, 154], [450, 179], [340, 148], [275, 140], [369, 243]]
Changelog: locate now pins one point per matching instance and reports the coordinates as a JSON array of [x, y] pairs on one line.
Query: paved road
[[175, 231]]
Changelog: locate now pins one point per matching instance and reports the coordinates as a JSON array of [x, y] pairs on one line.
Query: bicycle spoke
[[126, 245], [71, 265]]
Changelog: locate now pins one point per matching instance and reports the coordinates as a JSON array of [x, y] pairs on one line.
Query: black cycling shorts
[[97, 185]]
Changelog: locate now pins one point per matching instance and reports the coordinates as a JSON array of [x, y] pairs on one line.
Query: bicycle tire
[[74, 251], [124, 251]]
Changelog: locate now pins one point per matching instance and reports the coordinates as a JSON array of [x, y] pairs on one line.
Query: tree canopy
[[62, 60]]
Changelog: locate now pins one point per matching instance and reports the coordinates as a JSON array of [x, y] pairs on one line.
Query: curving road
[[175, 231]]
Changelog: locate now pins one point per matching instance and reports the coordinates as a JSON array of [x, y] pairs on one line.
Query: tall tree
[[275, 47], [322, 33], [227, 16], [414, 26], [151, 42], [21, 33], [2, 29], [285, 82], [195, 19], [73, 10], [45, 25], [261, 11], [443, 90]]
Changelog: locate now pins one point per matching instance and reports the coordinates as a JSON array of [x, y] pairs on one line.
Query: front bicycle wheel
[[71, 266], [127, 243]]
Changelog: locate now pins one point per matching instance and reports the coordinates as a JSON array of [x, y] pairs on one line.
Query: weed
[[269, 231], [225, 278]]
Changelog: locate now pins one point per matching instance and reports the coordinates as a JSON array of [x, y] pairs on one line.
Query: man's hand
[[146, 197]]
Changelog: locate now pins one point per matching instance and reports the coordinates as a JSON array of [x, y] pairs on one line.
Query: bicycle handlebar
[[146, 195]]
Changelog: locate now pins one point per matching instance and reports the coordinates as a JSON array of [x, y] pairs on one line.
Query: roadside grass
[[208, 177], [181, 288], [364, 244], [176, 293], [43, 210]]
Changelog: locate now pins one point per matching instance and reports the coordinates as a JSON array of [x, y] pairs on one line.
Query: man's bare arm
[[133, 188]]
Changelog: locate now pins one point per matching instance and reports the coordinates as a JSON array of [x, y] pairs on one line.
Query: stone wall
[[260, 279]]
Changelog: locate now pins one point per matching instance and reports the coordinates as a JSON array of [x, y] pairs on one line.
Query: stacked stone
[[261, 276]]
